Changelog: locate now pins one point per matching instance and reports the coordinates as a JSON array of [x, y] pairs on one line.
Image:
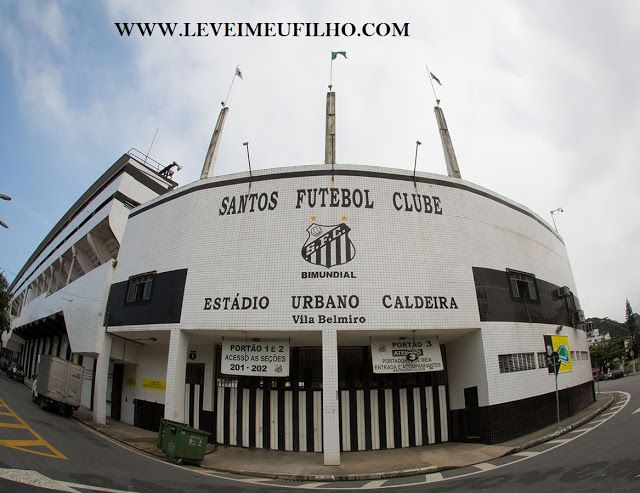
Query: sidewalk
[[377, 464]]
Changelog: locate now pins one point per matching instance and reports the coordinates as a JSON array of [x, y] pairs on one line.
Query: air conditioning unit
[[580, 316], [563, 292]]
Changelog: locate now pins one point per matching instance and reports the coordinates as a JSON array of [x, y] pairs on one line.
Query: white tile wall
[[82, 303], [153, 366], [330, 421], [85, 397], [397, 253], [502, 338], [176, 372], [466, 368]]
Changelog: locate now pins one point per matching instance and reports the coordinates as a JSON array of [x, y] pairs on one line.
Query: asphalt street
[[91, 459], [603, 455]]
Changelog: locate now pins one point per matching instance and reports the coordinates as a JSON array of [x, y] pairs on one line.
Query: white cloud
[[541, 101]]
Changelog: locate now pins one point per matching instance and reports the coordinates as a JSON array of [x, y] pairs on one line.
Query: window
[[522, 286], [140, 287], [542, 360], [580, 355], [516, 362]]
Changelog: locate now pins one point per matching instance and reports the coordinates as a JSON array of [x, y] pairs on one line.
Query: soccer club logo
[[328, 245]]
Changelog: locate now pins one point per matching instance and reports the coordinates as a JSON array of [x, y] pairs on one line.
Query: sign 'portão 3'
[[404, 355]]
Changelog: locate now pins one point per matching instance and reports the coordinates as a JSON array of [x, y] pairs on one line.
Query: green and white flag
[[334, 54]]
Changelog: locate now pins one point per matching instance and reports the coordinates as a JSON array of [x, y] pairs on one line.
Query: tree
[[630, 323], [604, 354], [629, 318], [5, 298]]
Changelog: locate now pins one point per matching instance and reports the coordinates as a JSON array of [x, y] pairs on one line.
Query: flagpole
[[432, 87], [331, 73], [235, 73]]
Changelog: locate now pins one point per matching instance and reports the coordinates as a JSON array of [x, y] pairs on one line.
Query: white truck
[[58, 384]]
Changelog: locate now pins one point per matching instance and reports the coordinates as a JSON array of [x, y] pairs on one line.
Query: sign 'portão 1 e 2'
[[264, 358]]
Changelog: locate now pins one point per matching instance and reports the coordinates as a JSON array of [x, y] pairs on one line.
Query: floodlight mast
[[4, 196]]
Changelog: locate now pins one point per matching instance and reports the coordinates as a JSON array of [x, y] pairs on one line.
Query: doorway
[[116, 390], [472, 414]]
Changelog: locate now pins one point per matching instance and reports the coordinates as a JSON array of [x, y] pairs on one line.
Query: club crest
[[328, 245]]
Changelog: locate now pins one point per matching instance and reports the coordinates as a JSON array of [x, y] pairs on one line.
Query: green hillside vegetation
[[604, 325], [611, 353]]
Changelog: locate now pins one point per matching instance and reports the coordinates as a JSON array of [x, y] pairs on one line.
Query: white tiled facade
[[397, 253], [258, 255]]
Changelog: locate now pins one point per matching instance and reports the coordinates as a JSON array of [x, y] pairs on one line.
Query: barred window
[[542, 360], [140, 287], [516, 362], [522, 286], [580, 355]]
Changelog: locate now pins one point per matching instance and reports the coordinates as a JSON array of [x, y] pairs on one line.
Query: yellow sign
[[131, 382], [561, 346], [160, 385]]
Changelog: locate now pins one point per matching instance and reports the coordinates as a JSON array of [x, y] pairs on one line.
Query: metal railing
[[145, 159]]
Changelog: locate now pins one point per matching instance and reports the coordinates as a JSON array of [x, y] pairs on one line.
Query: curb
[[416, 471], [563, 430], [334, 477], [367, 476], [93, 426]]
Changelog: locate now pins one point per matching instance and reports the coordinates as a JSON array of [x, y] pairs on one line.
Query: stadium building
[[315, 308]]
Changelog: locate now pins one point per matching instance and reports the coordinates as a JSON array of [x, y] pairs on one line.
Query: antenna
[[154, 139]]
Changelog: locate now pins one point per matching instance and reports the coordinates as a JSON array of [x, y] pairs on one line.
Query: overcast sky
[[541, 98]]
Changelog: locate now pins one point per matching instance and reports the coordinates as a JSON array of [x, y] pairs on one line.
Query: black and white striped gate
[[392, 418], [271, 419], [194, 394], [370, 419]]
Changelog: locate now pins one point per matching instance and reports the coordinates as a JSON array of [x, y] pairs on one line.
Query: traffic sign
[[553, 362]]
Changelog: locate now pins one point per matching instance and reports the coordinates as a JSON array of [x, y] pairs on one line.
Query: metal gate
[[373, 419], [194, 394]]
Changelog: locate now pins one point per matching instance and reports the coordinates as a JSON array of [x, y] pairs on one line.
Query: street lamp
[[246, 144], [556, 211], [415, 162]]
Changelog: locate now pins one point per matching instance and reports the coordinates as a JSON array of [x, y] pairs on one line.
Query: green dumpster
[[181, 442]]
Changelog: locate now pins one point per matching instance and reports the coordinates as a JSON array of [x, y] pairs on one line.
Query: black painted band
[[344, 172]]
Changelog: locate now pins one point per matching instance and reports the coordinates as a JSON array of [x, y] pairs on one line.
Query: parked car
[[613, 374], [15, 372]]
